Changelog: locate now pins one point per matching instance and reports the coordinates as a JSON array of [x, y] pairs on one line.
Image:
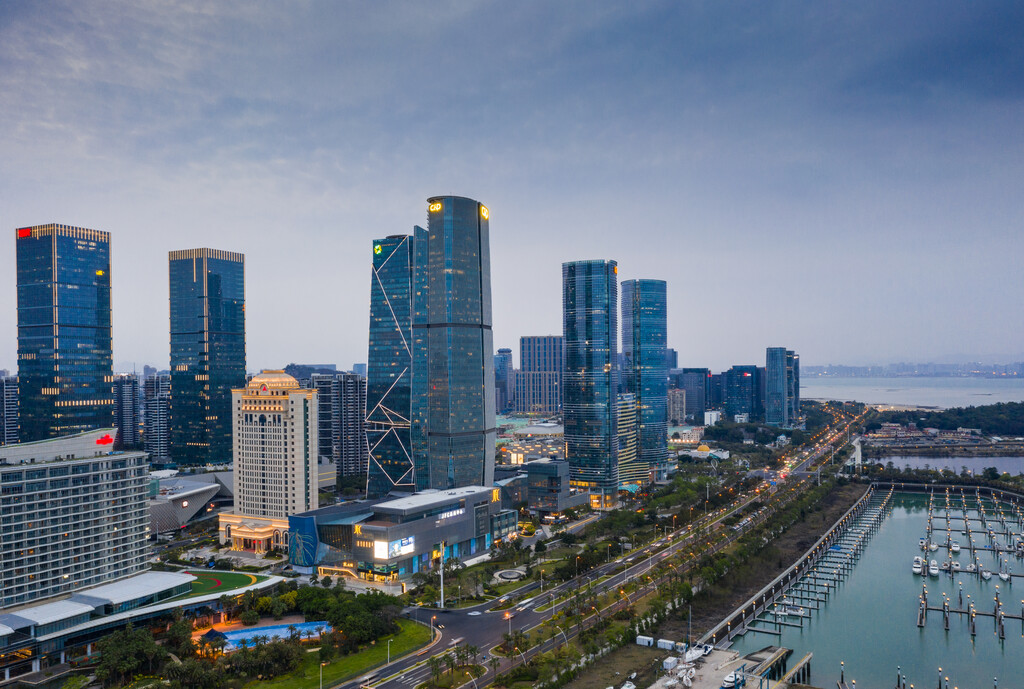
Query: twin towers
[[430, 417]]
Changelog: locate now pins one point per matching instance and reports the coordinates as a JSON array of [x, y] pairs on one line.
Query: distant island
[[930, 370]]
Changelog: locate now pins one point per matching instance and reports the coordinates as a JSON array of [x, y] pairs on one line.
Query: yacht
[[933, 569], [944, 566], [923, 544], [986, 575], [918, 565], [933, 546], [730, 680], [972, 568], [955, 566], [955, 546]]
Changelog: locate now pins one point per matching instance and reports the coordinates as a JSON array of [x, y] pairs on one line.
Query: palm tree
[[495, 664], [435, 668], [451, 662]]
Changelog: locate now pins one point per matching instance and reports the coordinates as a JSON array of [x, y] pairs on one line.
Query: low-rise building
[[549, 490], [389, 540]]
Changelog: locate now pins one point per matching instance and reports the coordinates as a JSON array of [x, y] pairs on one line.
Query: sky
[[843, 179]]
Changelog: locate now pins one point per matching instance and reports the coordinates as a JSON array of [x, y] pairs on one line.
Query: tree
[[435, 668], [125, 652]]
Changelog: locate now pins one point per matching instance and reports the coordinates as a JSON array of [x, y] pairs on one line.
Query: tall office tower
[[453, 432], [156, 392], [126, 410], [590, 296], [342, 420], [697, 383], [716, 400], [793, 386], [503, 380], [65, 368], [539, 379], [644, 334], [275, 449], [8, 410], [782, 386], [359, 369], [633, 471], [75, 515], [743, 392], [676, 403], [207, 288], [389, 368]]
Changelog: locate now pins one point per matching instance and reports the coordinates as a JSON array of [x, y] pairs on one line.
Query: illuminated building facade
[[75, 515], [644, 338], [452, 395], [342, 417], [633, 471], [389, 368], [590, 306], [503, 386], [538, 383], [275, 437], [157, 408], [743, 392], [207, 301], [8, 410], [65, 369]]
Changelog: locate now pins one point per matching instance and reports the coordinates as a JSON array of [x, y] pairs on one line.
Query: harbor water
[[974, 465], [942, 393], [870, 620]]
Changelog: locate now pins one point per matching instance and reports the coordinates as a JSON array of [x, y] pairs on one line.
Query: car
[[474, 613]]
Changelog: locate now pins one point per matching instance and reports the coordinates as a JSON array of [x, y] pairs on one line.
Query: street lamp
[[432, 618], [577, 565], [322, 675], [389, 651], [508, 616], [542, 581]]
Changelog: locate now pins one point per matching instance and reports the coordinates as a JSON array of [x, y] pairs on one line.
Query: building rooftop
[[51, 612], [96, 443], [139, 586], [5, 630], [278, 380], [428, 498], [545, 428]]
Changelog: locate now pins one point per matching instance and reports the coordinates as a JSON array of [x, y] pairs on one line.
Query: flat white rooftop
[[53, 612], [139, 586], [428, 498], [5, 630]]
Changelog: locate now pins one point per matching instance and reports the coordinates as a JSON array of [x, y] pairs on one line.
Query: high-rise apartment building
[[633, 471], [75, 515], [538, 382], [275, 456], [126, 410], [676, 406], [342, 421], [156, 408], [389, 368], [8, 410], [207, 299], [65, 368], [452, 396], [782, 386], [503, 388], [590, 307], [644, 337]]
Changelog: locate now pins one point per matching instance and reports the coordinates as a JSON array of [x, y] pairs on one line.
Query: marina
[[880, 567]]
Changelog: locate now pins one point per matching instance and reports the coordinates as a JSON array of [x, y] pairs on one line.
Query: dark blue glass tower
[[743, 391], [644, 340], [207, 298], [65, 365], [782, 387], [590, 304], [389, 368], [453, 431]]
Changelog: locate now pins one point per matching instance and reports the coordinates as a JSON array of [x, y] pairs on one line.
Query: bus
[[364, 681]]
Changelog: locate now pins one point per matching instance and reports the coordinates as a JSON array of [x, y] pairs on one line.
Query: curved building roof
[[274, 380]]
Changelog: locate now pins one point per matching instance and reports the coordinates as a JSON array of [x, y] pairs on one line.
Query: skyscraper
[[782, 386], [156, 412], [644, 336], [697, 383], [676, 406], [453, 426], [389, 368], [207, 298], [503, 380], [65, 368], [341, 399], [590, 297], [539, 379], [126, 410], [743, 392], [8, 410], [633, 471]]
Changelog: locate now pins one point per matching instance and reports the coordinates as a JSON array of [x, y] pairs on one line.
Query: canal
[[870, 622]]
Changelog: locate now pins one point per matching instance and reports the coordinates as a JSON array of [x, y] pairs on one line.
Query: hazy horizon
[[842, 180]]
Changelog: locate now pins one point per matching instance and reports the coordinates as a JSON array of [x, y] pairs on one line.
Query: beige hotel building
[[274, 427]]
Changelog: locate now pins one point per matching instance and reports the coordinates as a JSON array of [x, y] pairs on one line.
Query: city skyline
[[871, 149]]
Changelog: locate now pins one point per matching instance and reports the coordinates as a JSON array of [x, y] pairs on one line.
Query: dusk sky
[[843, 179]]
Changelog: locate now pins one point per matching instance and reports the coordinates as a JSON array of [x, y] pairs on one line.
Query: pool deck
[[236, 625]]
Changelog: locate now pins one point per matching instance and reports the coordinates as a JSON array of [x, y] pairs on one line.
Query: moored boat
[[933, 569]]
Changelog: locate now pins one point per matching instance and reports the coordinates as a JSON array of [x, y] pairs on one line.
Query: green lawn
[[411, 637], [219, 582]]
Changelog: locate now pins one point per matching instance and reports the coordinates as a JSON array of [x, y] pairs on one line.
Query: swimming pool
[[275, 631]]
